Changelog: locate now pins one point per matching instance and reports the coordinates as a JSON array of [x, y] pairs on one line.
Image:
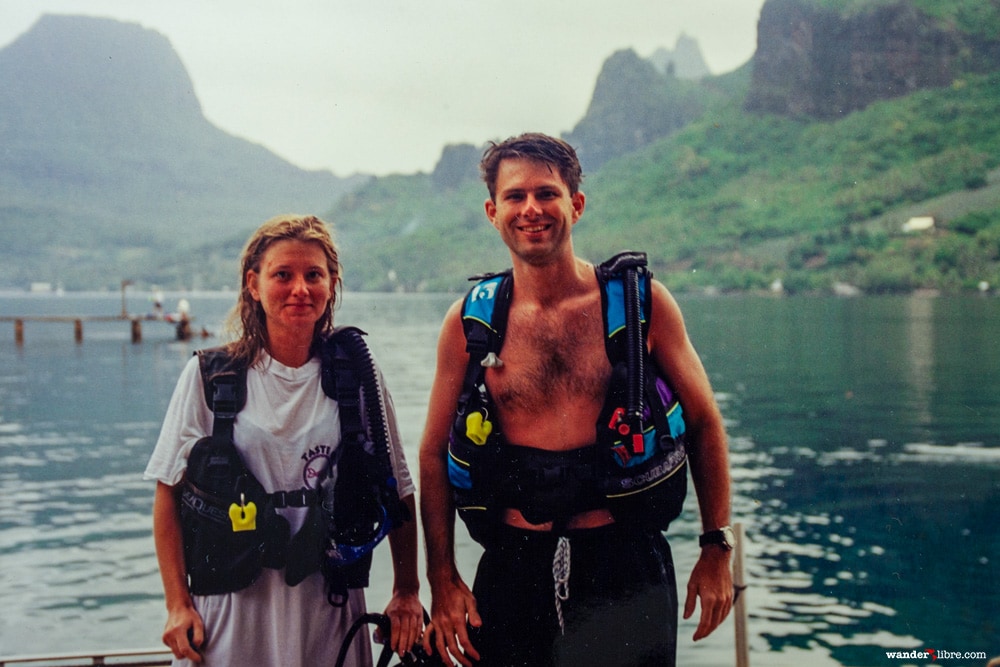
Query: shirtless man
[[548, 393]]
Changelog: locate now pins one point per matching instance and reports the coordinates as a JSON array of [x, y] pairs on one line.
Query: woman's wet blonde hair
[[247, 323]]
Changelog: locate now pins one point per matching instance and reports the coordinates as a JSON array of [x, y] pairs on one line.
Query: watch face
[[724, 537]]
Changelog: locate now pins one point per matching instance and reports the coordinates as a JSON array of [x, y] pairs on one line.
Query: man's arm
[[452, 603], [711, 579]]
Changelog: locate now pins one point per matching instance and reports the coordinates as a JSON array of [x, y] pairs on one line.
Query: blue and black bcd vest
[[641, 456]]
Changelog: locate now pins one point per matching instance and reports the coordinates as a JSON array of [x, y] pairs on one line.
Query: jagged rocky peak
[[817, 60], [685, 61]]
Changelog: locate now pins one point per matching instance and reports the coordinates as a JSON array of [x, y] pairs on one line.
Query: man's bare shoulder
[[664, 301], [455, 309], [453, 319]]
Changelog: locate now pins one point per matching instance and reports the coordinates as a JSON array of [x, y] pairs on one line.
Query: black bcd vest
[[230, 523]]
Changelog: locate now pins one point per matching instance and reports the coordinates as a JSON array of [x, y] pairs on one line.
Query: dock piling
[[183, 330], [135, 323]]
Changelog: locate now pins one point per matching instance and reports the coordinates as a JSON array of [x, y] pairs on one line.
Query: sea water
[[865, 452]]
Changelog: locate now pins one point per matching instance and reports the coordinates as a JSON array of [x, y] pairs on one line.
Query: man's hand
[[712, 581], [453, 608]]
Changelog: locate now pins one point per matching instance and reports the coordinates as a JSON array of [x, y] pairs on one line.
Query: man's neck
[[550, 283]]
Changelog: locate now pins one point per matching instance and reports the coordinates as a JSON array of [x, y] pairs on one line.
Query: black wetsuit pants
[[620, 608]]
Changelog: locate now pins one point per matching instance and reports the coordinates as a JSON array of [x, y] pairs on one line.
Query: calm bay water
[[865, 437]]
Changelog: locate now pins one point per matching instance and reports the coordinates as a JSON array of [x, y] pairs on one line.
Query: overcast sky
[[380, 86]]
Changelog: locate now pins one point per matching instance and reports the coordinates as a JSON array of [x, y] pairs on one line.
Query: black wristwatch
[[724, 537]]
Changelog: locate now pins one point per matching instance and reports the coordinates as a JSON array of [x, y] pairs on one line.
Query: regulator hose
[[354, 344]]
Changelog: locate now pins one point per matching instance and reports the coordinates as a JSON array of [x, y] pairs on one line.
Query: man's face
[[534, 210]]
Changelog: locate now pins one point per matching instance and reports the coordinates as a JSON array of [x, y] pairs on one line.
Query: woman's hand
[[406, 618], [185, 633]]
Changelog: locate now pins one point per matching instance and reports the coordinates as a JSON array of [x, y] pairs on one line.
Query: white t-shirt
[[286, 434]]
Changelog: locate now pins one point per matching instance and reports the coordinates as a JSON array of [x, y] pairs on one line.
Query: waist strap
[[299, 498], [550, 485]]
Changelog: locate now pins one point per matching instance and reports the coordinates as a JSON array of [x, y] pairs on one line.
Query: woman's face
[[293, 286]]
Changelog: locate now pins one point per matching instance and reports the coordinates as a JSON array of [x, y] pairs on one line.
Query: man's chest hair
[[551, 356]]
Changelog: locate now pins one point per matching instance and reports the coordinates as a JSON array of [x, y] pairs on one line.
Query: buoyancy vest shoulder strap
[[484, 321], [341, 380], [626, 304], [617, 276], [484, 315], [225, 384]]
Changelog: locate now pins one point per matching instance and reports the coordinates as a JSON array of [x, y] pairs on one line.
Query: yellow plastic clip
[[243, 516], [478, 428]]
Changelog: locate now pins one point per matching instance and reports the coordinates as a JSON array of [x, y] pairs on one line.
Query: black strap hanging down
[[352, 367], [225, 386]]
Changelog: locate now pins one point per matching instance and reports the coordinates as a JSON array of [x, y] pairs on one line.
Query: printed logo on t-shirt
[[317, 465]]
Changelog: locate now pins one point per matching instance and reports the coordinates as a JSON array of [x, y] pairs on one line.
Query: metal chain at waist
[[560, 577]]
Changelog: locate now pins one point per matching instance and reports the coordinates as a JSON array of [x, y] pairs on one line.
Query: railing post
[[136, 330], [19, 332], [740, 608], [78, 330]]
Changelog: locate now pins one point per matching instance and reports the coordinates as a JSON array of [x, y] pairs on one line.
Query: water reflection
[[865, 450], [874, 473]]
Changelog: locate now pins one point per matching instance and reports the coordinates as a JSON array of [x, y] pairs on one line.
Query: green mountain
[[109, 170], [759, 185], [799, 169]]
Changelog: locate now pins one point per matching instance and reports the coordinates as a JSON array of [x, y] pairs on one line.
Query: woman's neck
[[290, 350]]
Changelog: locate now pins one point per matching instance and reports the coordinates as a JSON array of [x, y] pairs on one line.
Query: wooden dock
[[77, 321], [182, 325], [135, 322]]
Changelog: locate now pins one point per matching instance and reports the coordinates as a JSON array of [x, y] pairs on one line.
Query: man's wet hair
[[532, 146]]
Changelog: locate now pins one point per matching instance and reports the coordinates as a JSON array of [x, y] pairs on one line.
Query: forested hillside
[[797, 172], [738, 201]]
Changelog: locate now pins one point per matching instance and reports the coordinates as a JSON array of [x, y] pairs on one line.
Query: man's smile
[[534, 228]]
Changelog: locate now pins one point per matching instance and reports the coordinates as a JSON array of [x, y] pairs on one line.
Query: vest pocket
[[230, 528]]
